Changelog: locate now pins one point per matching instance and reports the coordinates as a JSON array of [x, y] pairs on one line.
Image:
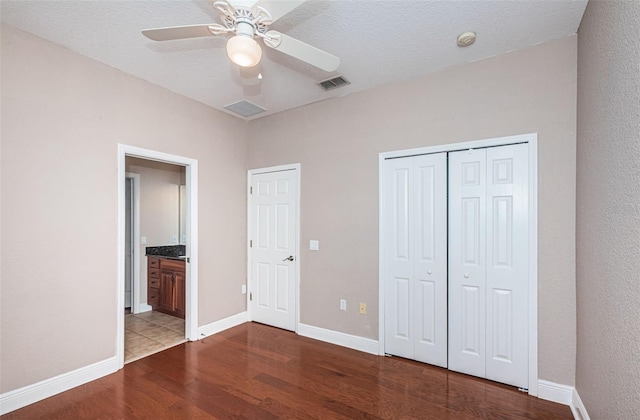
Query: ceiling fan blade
[[180, 32], [298, 49], [279, 8]]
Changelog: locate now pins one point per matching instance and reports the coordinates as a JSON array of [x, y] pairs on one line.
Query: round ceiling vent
[[466, 38]]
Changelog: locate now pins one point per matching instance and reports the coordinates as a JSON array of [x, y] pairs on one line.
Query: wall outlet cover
[[363, 309], [343, 304]]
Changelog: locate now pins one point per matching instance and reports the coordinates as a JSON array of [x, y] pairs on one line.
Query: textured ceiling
[[379, 42]]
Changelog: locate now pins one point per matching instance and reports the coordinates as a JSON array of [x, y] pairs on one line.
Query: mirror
[[183, 214]]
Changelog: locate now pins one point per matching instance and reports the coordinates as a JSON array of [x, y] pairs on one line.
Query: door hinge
[[250, 296], [250, 190], [250, 243]]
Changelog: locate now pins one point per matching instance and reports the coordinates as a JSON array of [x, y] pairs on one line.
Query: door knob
[[289, 258], [429, 271], [466, 276]]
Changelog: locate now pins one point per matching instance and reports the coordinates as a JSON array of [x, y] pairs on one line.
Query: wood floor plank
[[254, 371]]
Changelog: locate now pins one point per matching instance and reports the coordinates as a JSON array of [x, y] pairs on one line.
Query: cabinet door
[[166, 298], [180, 296]]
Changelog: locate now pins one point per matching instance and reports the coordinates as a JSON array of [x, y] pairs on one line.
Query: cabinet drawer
[[174, 265], [154, 295], [154, 283], [154, 262], [154, 273]]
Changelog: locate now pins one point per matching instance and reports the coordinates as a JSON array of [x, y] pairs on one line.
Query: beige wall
[[337, 144], [159, 200], [62, 118], [608, 210]]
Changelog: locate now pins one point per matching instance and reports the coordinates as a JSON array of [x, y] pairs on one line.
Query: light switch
[[314, 245], [244, 289], [143, 240], [174, 239]]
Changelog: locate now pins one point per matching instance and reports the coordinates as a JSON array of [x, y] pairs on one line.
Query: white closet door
[[399, 257], [507, 264], [430, 262], [467, 239], [488, 263], [415, 278]]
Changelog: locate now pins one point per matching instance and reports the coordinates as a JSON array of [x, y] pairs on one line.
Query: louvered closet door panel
[[399, 257], [467, 254], [507, 264], [430, 258]]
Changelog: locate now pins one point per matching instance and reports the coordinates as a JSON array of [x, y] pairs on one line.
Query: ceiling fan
[[248, 19]]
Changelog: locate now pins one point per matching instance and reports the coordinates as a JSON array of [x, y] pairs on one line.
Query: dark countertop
[[183, 258], [174, 252]]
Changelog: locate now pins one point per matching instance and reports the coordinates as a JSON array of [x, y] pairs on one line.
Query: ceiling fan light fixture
[[244, 50]]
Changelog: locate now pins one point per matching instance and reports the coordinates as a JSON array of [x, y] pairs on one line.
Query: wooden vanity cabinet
[[166, 286]]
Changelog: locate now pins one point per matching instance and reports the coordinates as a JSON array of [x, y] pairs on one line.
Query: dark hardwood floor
[[258, 372]]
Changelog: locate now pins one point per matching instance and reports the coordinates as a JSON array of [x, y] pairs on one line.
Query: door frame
[[136, 306], [280, 168], [532, 141], [191, 272]]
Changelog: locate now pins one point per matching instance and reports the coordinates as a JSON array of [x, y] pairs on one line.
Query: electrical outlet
[[343, 304], [174, 239], [363, 309]]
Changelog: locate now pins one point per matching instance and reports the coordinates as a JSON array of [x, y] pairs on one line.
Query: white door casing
[[273, 251], [416, 258], [191, 175], [488, 263], [129, 244]]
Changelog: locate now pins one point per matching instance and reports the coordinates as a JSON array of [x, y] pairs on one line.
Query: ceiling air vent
[[244, 108], [334, 82]]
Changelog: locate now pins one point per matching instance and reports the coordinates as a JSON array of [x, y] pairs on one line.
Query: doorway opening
[[157, 246]]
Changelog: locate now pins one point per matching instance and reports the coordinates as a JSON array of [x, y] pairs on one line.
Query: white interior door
[[467, 254], [273, 245], [416, 278], [507, 356], [488, 263]]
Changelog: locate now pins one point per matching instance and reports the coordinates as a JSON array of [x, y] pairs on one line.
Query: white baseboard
[[143, 307], [577, 407], [366, 345], [552, 391], [563, 394], [21, 397], [223, 324]]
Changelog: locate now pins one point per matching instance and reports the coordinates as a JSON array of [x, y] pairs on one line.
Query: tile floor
[[150, 332]]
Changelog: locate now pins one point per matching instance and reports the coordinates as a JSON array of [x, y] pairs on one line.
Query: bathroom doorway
[[165, 233], [151, 323]]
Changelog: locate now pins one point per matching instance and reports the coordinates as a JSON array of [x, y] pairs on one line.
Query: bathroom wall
[[159, 207]]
